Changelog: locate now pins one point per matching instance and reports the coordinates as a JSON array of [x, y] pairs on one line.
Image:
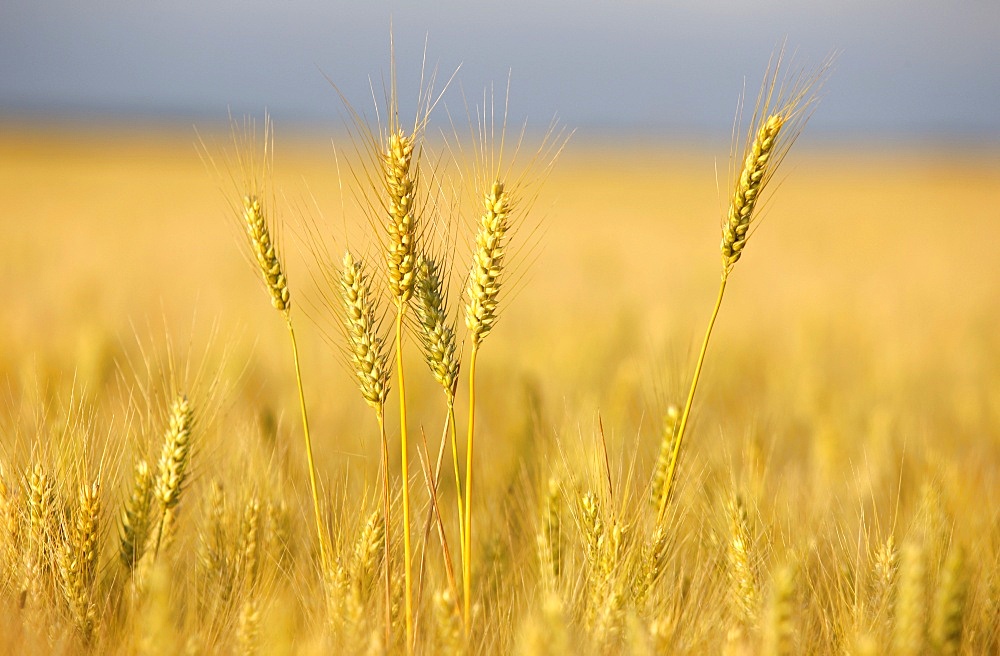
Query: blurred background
[[907, 69]]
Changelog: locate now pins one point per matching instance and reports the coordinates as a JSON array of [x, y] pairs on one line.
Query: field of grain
[[840, 485]]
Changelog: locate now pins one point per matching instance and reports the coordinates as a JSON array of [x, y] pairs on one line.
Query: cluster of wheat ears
[[605, 578]]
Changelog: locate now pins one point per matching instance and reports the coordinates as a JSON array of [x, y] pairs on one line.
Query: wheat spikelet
[[174, 456], [483, 287], [592, 527], [885, 568], [546, 632], [658, 487], [172, 471], [366, 346], [250, 539], [549, 537], [751, 183], [948, 621], [136, 517], [401, 182], [41, 516], [248, 629], [741, 570], [447, 625], [653, 560], [78, 559], [437, 333], [909, 635], [367, 554], [265, 254], [779, 629]]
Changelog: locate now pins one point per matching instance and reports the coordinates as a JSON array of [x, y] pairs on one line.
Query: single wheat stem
[[483, 290], [401, 182], [386, 502], [371, 370], [405, 467], [467, 552], [668, 486], [314, 487], [266, 254], [453, 432]]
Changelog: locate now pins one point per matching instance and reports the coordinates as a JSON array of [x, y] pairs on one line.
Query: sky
[[904, 68]]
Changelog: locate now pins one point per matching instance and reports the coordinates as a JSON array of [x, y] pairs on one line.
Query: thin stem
[[407, 566], [380, 414], [458, 477], [675, 455], [467, 569], [309, 451]]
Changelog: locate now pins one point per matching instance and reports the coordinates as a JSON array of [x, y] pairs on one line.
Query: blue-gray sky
[[906, 67]]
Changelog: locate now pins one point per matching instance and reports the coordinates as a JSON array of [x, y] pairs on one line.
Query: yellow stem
[[467, 569], [404, 464], [386, 502], [458, 479], [309, 452], [675, 455]]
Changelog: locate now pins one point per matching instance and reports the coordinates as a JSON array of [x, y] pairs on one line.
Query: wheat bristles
[[265, 253], [136, 517], [401, 182], [366, 346], [484, 278], [437, 334]]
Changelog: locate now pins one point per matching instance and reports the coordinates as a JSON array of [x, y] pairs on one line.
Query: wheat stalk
[[400, 176], [782, 110], [265, 252], [370, 363], [482, 290]]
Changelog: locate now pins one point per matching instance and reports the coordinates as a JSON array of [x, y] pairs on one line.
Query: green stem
[[668, 486], [404, 464], [458, 478], [309, 451]]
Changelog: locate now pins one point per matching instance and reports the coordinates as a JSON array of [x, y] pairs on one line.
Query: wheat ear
[[78, 559], [483, 292], [367, 353], [172, 472], [136, 517]]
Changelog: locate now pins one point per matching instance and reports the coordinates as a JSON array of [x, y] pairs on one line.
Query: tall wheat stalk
[[483, 290], [783, 107], [370, 363], [400, 177], [265, 254]]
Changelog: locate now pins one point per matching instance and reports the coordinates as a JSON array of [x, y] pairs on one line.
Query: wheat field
[[838, 492]]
